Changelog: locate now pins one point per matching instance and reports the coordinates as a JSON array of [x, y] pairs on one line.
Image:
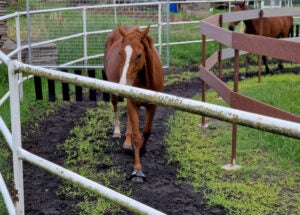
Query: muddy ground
[[162, 190]]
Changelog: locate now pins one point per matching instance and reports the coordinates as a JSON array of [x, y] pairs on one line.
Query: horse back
[[280, 26], [275, 27]]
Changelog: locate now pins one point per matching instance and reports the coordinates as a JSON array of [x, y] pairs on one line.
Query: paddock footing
[[203, 126], [231, 167]]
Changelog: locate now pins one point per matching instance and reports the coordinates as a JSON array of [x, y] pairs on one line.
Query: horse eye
[[139, 56]]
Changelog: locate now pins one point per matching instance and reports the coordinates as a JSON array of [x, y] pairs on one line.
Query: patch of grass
[[268, 182], [31, 110], [190, 54], [179, 77], [87, 155]]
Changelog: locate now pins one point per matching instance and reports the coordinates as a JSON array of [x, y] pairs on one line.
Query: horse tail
[[106, 96]]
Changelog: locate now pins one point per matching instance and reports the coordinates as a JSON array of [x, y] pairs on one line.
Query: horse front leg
[[117, 124], [264, 58], [133, 110]]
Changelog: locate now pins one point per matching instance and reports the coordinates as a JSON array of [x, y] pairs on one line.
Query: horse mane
[[148, 43]]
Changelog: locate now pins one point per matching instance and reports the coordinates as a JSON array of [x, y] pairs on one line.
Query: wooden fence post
[[78, 89], [92, 74], [65, 89]]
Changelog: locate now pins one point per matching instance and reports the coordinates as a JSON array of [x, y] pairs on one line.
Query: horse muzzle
[[231, 28]]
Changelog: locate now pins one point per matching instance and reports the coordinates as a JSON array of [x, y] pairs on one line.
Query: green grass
[[31, 110], [89, 140], [268, 182]]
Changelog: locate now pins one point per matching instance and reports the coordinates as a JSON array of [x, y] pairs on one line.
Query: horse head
[[238, 6], [133, 53]]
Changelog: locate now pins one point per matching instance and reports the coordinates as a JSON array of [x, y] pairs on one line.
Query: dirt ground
[[162, 190]]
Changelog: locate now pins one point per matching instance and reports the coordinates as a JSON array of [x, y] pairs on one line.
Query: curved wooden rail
[[285, 49]]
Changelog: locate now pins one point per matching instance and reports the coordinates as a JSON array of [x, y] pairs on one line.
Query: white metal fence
[[196, 107], [72, 33], [14, 140]]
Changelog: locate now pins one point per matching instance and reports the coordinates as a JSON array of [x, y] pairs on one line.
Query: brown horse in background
[[275, 27], [131, 59]]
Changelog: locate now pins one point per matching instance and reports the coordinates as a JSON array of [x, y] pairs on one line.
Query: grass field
[[268, 182]]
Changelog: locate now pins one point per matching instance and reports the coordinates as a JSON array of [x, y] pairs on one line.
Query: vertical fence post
[[235, 89], [18, 40], [65, 89], [203, 82], [84, 35], [16, 139], [78, 89], [92, 74], [38, 88], [261, 13], [220, 52], [51, 90], [159, 28], [233, 164]]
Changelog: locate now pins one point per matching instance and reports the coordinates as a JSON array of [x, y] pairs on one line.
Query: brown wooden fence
[[287, 49]]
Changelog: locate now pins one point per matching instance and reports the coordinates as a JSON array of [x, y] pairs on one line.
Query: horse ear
[[122, 30], [145, 31]]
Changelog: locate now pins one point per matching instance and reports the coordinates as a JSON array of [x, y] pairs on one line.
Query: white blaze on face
[[128, 51]]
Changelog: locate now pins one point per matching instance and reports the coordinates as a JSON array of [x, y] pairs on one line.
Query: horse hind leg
[[150, 112], [117, 124], [264, 58]]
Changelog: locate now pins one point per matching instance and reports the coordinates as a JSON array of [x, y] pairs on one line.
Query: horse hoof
[[127, 149], [116, 135], [137, 175], [137, 179]]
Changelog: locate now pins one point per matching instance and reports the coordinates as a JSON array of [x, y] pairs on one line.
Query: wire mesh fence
[[72, 33]]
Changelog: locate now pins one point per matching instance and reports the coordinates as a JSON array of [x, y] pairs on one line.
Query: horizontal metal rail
[[6, 133], [257, 121], [7, 199], [64, 173]]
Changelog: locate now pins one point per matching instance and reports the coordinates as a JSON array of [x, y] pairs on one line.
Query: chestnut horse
[[131, 59], [275, 27]]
